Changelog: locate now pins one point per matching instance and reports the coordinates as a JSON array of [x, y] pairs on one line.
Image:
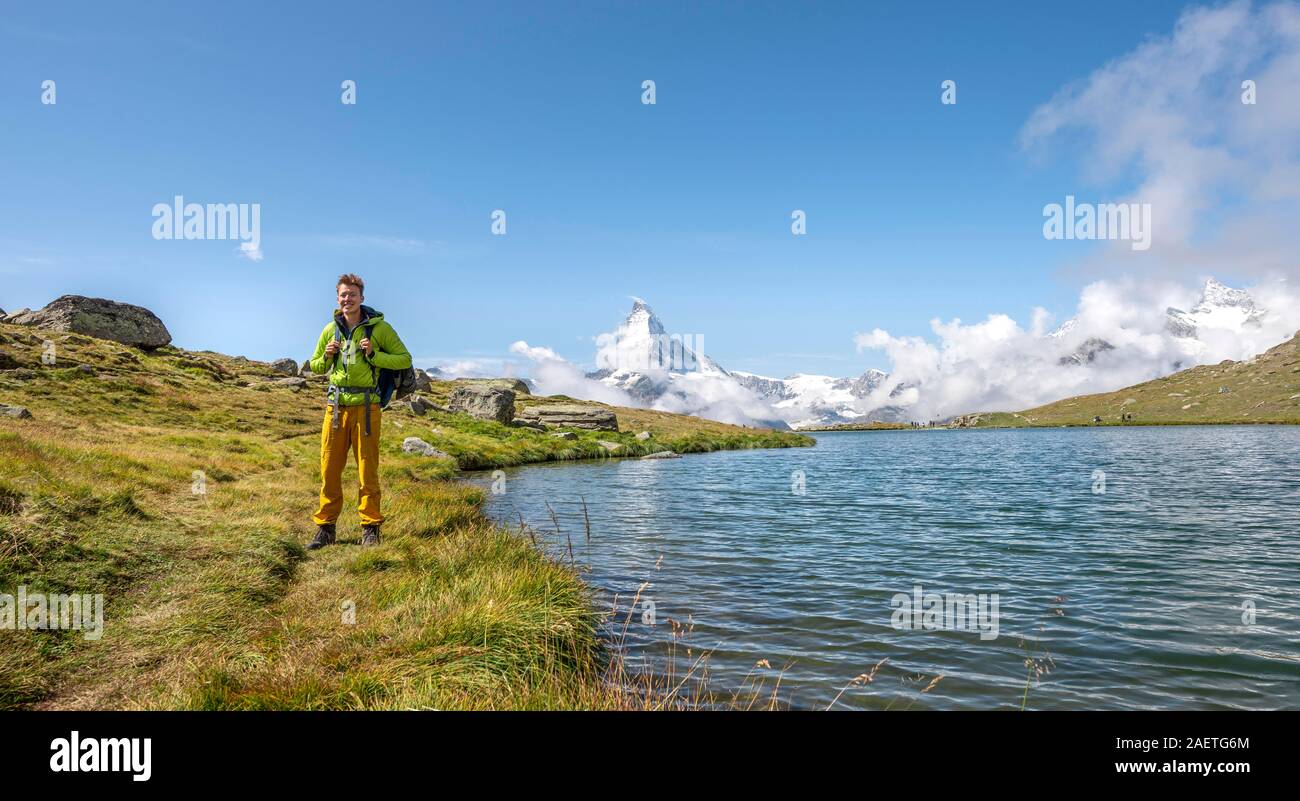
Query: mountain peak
[[1065, 328], [641, 344], [1220, 295], [642, 319]]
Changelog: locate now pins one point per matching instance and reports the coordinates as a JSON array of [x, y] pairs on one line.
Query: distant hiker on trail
[[367, 365]]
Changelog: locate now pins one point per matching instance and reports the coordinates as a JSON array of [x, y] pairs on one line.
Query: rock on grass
[[104, 319], [662, 455], [418, 446], [484, 402]]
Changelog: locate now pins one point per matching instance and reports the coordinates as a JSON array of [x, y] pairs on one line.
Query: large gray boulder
[[421, 448], [571, 415], [483, 401], [104, 319], [515, 385], [286, 366], [15, 411], [422, 381]]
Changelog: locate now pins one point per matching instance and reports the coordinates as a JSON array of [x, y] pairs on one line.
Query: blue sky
[[915, 209]]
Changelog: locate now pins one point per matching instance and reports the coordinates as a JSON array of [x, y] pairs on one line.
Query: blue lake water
[[1171, 582]]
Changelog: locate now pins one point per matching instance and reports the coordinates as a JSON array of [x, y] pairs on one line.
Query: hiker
[[364, 358]]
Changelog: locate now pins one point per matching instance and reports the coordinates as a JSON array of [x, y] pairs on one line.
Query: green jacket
[[351, 367]]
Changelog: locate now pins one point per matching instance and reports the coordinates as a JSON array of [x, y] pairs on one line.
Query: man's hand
[[365, 345], [332, 348]]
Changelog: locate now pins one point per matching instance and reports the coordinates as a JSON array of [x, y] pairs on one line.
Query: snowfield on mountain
[[1115, 340]]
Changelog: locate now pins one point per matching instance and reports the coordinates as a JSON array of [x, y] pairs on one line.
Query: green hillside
[[1264, 389]]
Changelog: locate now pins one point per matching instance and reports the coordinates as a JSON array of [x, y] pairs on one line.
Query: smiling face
[[350, 298]]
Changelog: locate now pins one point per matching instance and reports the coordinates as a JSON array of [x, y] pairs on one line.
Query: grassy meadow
[[181, 484]]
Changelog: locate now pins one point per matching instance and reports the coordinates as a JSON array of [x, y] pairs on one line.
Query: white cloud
[[536, 354], [1223, 177], [555, 375], [713, 396], [468, 367], [997, 365], [251, 251]]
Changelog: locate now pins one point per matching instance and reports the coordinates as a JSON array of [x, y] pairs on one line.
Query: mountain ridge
[[1262, 389], [807, 400]]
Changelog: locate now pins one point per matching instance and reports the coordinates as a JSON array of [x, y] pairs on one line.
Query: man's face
[[349, 298]]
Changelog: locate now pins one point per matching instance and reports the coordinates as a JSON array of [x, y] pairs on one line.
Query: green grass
[[1264, 389], [211, 601]]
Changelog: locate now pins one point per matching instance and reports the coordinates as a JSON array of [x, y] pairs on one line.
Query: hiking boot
[[370, 535], [324, 536]]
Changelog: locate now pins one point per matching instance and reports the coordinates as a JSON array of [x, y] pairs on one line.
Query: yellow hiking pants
[[335, 443]]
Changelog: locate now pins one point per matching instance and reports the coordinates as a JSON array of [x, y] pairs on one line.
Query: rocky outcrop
[[513, 384], [104, 319], [422, 381], [484, 402], [532, 424], [15, 411], [296, 382], [1086, 353], [572, 415], [285, 366], [771, 389], [419, 406], [662, 455], [420, 447]]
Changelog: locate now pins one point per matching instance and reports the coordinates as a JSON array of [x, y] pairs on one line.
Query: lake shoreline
[[803, 580], [1050, 426], [180, 485]]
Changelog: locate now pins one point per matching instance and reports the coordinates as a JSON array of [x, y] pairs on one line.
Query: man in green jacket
[[353, 348]]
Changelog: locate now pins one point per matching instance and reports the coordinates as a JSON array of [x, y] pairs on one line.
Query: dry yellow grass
[[180, 485]]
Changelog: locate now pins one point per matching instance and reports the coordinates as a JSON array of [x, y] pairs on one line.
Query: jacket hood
[[366, 312]]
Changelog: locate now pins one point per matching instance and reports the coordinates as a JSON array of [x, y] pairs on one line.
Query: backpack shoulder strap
[[338, 337], [370, 334]]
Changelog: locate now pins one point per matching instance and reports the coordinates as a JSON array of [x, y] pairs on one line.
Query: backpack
[[389, 383]]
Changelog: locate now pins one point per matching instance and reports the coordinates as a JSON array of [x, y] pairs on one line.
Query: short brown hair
[[351, 279]]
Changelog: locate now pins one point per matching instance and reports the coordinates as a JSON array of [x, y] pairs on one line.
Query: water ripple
[[1140, 594]]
